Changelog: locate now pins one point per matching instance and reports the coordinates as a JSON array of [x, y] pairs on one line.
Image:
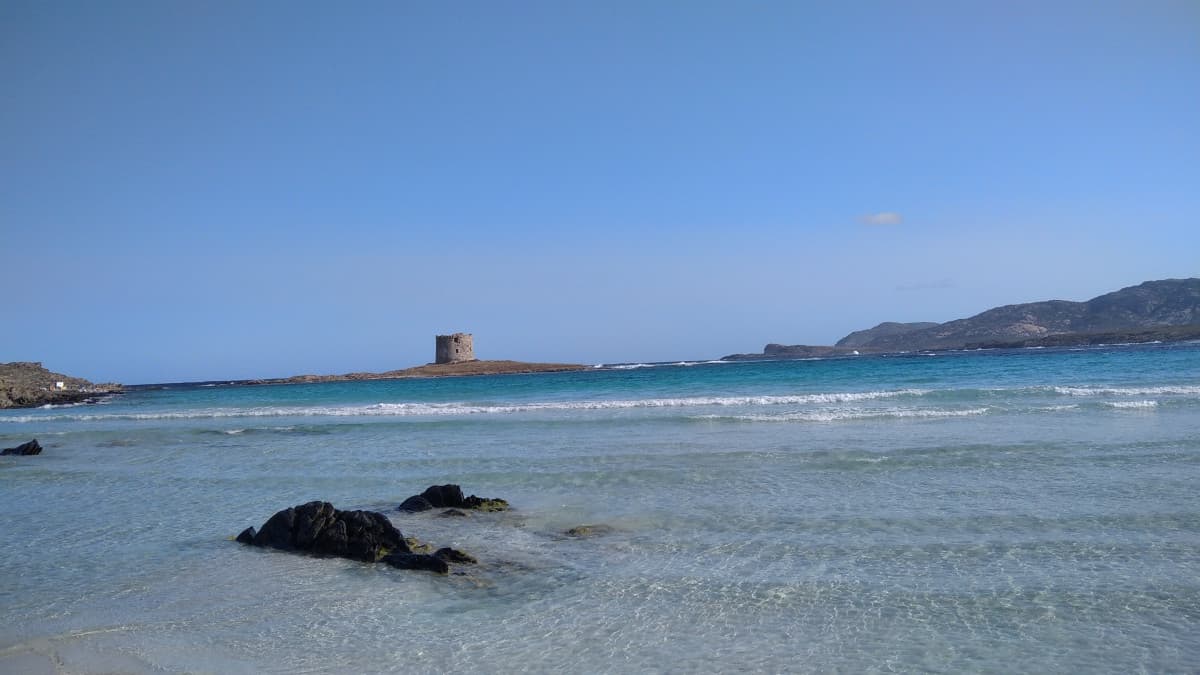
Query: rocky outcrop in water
[[451, 497], [367, 536], [318, 527], [581, 531], [30, 448]]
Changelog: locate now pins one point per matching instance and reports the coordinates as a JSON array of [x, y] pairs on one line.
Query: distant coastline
[[774, 352], [1166, 310], [26, 384]]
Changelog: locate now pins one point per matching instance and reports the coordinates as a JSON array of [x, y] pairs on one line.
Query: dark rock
[[451, 555], [485, 504], [246, 537], [317, 527], [453, 513], [414, 504], [451, 496], [589, 530], [415, 561], [277, 531], [443, 496], [30, 448]]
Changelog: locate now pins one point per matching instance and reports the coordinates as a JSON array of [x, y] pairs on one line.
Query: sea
[[1033, 511]]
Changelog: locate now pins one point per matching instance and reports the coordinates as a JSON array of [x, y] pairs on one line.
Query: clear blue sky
[[204, 190]]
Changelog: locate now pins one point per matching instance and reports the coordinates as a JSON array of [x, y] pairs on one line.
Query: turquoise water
[[1031, 511]]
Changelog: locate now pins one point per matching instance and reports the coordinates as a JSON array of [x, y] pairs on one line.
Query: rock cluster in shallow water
[[368, 536], [30, 448], [450, 496]]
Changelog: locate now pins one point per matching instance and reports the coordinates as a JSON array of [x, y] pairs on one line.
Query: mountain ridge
[[1141, 313]]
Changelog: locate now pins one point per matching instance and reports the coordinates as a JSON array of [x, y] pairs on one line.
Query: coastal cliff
[[26, 384], [1163, 310]]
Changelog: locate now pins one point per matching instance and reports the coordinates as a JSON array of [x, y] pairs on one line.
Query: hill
[[26, 384], [1164, 310], [1153, 304]]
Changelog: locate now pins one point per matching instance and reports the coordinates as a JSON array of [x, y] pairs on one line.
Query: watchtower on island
[[455, 348]]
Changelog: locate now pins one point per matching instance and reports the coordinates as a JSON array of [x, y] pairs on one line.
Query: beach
[[1023, 510]]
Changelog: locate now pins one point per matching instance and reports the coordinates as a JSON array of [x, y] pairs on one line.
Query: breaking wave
[[1132, 404], [415, 409], [838, 415], [1165, 390]]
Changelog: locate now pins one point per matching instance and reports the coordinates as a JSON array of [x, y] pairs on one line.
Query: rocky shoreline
[[26, 384]]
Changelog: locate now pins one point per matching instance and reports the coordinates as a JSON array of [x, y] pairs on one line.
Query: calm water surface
[[1028, 511]]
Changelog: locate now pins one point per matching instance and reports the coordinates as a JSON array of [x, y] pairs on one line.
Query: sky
[[219, 190]]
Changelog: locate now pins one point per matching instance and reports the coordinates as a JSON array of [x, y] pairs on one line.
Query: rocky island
[[26, 384], [1166, 310], [476, 367], [454, 356]]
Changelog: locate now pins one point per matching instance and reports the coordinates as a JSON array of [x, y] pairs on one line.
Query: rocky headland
[[26, 384], [1155, 311]]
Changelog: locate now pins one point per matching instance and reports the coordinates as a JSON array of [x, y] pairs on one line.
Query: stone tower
[[455, 348]]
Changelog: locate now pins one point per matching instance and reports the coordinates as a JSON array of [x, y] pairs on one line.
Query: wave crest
[[459, 408]]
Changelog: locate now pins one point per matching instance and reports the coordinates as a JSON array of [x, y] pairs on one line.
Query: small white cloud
[[883, 218]]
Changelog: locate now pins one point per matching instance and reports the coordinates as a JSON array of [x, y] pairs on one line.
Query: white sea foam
[[635, 366], [459, 408], [849, 414], [1166, 390], [1132, 404]]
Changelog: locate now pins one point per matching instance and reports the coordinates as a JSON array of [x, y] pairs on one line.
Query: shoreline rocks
[[450, 496], [24, 449], [318, 528]]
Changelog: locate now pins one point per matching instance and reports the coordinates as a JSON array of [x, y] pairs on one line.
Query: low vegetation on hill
[[26, 384], [1163, 310]]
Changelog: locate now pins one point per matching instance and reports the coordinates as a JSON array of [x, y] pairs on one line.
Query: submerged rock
[[30, 448], [450, 496], [416, 561], [246, 536], [415, 504], [453, 555], [417, 546], [453, 513], [317, 527], [589, 530]]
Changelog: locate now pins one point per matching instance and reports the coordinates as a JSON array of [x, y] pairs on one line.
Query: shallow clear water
[[990, 511]]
